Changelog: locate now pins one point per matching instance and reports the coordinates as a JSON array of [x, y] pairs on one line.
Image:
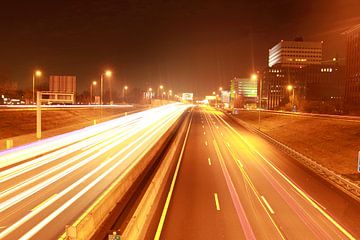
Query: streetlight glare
[[213, 93], [161, 86], [254, 76], [126, 87], [108, 73], [289, 87], [220, 88], [38, 73], [150, 89], [94, 82]]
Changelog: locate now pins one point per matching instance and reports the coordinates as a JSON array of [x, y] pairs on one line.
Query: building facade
[[323, 83], [297, 53], [352, 71], [243, 92]]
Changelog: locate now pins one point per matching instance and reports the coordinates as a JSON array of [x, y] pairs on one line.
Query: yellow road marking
[[171, 190], [217, 204], [209, 161], [41, 204], [267, 205]]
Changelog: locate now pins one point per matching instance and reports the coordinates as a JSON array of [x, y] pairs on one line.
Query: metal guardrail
[[344, 184]]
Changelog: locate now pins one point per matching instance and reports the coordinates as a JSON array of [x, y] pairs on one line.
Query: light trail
[[111, 148]]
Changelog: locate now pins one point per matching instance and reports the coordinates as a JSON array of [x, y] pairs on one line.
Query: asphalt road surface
[[234, 185], [40, 195]]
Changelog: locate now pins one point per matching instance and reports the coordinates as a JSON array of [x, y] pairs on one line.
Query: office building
[[352, 70], [243, 92], [297, 53]]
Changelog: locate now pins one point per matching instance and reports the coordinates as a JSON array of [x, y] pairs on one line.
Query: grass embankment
[[334, 143], [18, 122]]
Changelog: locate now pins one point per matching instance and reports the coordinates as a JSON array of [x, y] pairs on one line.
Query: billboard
[[187, 96]]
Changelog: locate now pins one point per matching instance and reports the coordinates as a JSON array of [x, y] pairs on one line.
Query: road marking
[[221, 134], [267, 205], [217, 204], [2, 227], [203, 126], [168, 198], [204, 133], [240, 211], [228, 144], [41, 204], [292, 184], [206, 143], [209, 161]]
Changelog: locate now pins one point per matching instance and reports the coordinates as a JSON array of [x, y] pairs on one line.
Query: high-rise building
[[352, 70], [297, 53]]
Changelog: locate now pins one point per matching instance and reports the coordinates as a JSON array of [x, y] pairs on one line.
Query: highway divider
[[345, 185], [88, 223], [147, 211]]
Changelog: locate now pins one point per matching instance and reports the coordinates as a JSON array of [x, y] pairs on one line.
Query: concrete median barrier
[[145, 213]]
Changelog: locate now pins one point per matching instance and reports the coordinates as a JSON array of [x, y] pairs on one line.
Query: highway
[[50, 183], [232, 184]]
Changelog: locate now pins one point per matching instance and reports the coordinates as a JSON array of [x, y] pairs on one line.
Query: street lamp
[[37, 73], [150, 90], [91, 90], [161, 87], [255, 77], [291, 88], [220, 89], [107, 74], [124, 92]]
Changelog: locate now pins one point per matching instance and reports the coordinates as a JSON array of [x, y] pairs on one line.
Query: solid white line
[[267, 205], [217, 204], [209, 161]]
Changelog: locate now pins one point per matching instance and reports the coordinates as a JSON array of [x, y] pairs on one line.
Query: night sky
[[185, 45]]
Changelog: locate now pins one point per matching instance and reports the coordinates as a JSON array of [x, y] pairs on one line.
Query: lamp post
[[91, 90], [150, 93], [124, 92], [37, 73], [107, 74], [161, 87], [255, 77], [291, 88]]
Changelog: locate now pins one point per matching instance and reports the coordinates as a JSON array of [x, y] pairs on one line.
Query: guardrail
[[87, 224], [345, 185]]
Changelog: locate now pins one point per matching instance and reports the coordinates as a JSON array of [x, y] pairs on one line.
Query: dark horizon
[[184, 45]]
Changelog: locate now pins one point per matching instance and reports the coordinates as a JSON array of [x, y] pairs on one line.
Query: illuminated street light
[[94, 83], [124, 92], [107, 73], [213, 93], [37, 73], [254, 77], [161, 86], [220, 88], [291, 88], [150, 89]]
